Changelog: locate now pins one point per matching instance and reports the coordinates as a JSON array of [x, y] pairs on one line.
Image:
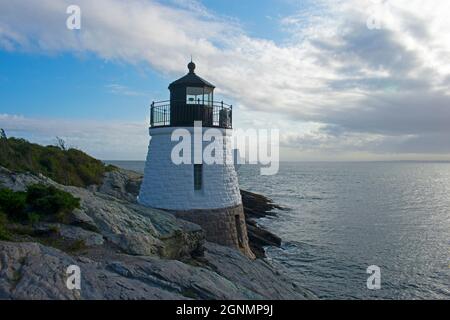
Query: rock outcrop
[[34, 271], [134, 229], [258, 206], [125, 184], [128, 252], [121, 184]]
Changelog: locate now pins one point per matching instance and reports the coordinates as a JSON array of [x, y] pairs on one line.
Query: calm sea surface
[[344, 217]]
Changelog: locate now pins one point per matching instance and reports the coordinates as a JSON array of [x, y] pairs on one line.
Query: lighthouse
[[196, 190]]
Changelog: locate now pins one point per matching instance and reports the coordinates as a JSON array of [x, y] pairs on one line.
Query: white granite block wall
[[170, 186]]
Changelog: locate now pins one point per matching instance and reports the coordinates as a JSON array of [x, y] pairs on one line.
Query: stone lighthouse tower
[[204, 193]]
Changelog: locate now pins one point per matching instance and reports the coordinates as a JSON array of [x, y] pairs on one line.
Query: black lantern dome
[[190, 80], [192, 99]]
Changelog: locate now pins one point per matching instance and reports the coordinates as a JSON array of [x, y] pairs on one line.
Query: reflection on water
[[345, 217]]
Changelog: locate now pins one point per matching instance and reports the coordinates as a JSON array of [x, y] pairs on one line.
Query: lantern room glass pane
[[208, 96], [199, 95], [194, 95]]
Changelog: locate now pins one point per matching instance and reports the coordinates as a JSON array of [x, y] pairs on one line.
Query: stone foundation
[[224, 226]]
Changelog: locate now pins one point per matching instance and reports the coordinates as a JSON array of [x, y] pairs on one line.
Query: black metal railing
[[179, 113], [160, 114]]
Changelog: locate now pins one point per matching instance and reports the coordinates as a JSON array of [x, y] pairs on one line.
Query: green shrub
[[13, 203], [4, 234], [34, 218], [39, 202], [49, 201]]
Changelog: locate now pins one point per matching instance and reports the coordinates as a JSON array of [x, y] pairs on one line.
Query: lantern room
[[192, 89], [191, 99]]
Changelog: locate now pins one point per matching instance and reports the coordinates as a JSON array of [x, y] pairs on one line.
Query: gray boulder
[[121, 184]]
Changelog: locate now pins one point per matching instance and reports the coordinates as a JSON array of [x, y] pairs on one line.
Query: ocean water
[[344, 217]]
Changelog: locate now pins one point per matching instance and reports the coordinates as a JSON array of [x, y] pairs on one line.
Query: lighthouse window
[[194, 95], [198, 176], [199, 95]]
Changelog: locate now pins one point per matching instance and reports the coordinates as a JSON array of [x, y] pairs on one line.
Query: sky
[[342, 80]]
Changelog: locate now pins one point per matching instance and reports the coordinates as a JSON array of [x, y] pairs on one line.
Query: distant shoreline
[[314, 161]]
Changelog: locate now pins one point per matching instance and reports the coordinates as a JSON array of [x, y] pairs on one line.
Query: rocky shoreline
[[125, 184], [126, 251], [257, 206]]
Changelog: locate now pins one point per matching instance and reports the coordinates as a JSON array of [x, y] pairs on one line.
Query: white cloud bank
[[332, 87]]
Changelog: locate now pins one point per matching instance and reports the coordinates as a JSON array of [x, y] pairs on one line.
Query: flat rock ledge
[[34, 271]]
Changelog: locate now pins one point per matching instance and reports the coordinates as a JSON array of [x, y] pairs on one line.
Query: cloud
[[105, 140], [380, 90], [123, 90]]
